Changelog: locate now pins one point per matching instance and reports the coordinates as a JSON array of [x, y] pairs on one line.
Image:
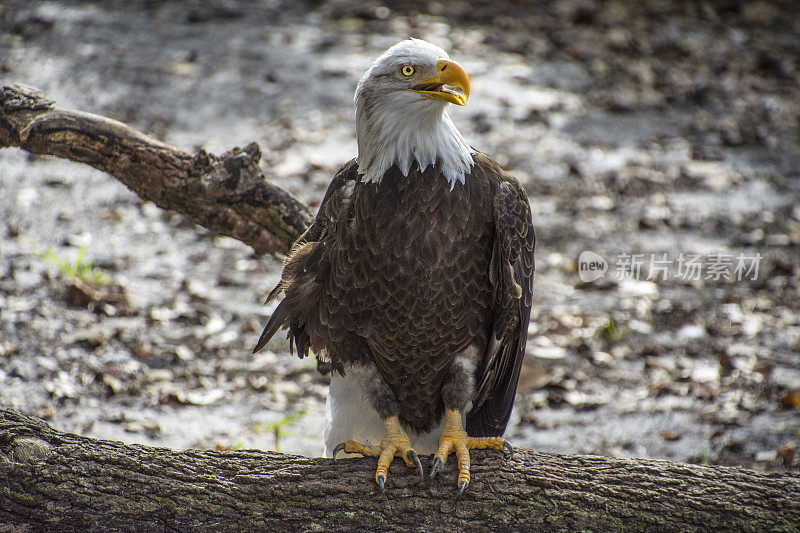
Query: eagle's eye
[[407, 70]]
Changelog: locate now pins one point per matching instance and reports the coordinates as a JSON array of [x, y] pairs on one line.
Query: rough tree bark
[[227, 194], [60, 482], [52, 481]]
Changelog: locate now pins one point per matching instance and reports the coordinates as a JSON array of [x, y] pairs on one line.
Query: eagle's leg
[[395, 443], [455, 440], [456, 393]]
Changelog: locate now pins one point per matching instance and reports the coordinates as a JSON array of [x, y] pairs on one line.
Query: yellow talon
[[395, 443], [455, 439]]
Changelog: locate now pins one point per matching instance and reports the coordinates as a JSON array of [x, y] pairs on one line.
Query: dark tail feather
[[491, 418], [274, 324]]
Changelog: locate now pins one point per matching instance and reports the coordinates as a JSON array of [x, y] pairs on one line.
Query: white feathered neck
[[401, 127]]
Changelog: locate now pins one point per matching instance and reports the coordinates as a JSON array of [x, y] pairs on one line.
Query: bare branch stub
[[227, 194]]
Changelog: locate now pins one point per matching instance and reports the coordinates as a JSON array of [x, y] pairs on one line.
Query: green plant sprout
[[277, 427], [81, 269], [613, 334]]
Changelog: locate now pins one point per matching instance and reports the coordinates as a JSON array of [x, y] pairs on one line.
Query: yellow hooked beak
[[451, 83]]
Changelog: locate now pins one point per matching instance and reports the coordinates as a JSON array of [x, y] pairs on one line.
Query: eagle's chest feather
[[410, 270]]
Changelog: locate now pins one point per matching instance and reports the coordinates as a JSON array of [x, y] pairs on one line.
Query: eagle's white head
[[401, 117]]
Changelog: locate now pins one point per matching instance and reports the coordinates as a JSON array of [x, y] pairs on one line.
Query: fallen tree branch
[[227, 194], [56, 481]]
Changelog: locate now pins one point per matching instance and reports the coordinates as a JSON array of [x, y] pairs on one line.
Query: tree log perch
[[54, 481], [227, 194]]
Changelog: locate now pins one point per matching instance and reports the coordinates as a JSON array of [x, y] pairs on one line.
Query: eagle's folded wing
[[313, 240], [511, 274]]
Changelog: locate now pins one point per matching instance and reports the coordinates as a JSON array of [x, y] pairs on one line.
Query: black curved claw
[[411, 455], [461, 486], [339, 447], [381, 483], [437, 463], [509, 449]]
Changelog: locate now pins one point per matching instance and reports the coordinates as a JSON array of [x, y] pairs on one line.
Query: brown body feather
[[406, 274]]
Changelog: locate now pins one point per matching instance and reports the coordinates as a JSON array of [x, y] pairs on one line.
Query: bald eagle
[[415, 278]]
